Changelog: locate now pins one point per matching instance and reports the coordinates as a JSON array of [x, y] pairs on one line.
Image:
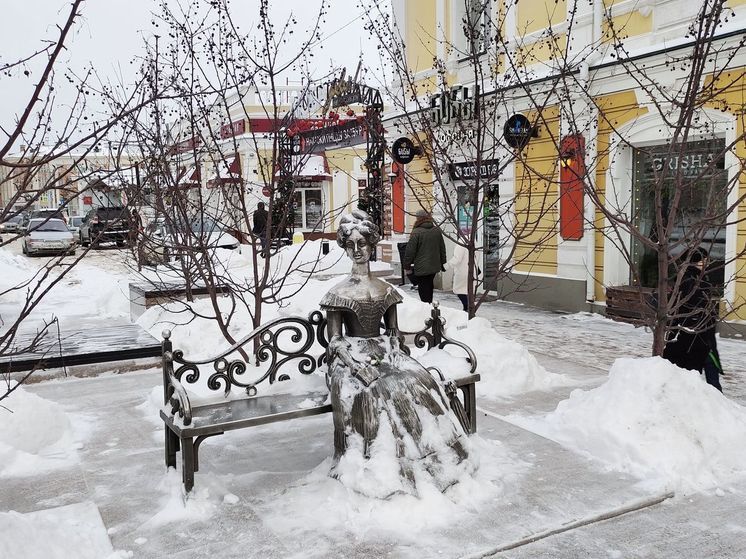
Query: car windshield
[[15, 219], [76, 221], [52, 225], [112, 213]]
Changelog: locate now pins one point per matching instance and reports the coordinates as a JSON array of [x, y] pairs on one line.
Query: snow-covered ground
[[575, 422]]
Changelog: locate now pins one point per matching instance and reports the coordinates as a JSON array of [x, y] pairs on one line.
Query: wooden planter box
[[628, 303]]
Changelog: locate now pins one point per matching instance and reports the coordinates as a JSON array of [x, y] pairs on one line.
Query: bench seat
[[217, 418]]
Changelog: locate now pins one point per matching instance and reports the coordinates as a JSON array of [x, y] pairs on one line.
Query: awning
[[310, 167], [190, 177], [227, 172]]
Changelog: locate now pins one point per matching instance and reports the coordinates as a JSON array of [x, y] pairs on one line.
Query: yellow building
[[617, 97]]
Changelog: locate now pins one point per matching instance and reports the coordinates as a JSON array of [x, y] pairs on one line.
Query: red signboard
[[187, 145], [266, 191], [572, 175], [235, 128], [88, 200]]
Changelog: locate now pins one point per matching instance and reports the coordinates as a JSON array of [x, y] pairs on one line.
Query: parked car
[[49, 213], [105, 225], [73, 224], [12, 224], [164, 241], [47, 236]]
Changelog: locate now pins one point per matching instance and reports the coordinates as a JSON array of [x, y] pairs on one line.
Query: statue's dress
[[392, 423]]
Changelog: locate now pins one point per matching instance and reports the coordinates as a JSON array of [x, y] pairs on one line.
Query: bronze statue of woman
[[388, 409]]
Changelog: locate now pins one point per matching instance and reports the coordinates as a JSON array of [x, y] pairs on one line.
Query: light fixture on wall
[[567, 158]]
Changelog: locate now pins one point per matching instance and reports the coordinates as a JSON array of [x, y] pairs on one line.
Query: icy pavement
[[261, 492], [585, 345]]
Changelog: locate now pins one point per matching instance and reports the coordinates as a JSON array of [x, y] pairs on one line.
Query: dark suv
[[105, 225]]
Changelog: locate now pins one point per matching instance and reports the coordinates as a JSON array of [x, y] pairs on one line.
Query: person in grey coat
[[425, 254]]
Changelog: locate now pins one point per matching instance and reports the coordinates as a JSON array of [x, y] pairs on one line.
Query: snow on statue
[[393, 428]]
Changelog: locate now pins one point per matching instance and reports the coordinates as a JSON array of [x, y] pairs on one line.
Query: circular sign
[[266, 191], [518, 131], [403, 151]]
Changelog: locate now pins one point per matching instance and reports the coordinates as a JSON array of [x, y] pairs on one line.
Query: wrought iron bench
[[280, 343]]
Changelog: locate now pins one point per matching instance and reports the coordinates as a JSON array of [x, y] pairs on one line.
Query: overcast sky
[[112, 32]]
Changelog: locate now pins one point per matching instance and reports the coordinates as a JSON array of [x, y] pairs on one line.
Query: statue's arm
[[391, 320], [338, 346]]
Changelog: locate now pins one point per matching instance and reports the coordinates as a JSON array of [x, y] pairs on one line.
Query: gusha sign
[[456, 104]]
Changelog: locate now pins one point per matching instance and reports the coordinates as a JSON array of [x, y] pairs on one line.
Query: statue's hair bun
[[361, 221]]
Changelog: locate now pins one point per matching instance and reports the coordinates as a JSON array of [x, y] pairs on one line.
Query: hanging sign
[[403, 150], [468, 170], [518, 131]]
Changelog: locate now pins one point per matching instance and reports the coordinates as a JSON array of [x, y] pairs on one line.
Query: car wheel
[[120, 244], [24, 250], [83, 242], [72, 253]]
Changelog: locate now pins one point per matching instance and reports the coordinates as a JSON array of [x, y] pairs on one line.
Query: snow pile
[[16, 270], [401, 517], [59, 533], [506, 367], [36, 435], [655, 421]]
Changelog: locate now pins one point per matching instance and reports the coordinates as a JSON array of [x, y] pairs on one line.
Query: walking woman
[[426, 254]]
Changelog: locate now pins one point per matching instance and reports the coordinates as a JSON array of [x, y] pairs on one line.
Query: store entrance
[[700, 171]]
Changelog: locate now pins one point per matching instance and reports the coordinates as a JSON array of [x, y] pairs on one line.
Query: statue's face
[[357, 247]]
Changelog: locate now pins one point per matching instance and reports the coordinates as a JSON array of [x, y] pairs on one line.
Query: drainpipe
[[591, 158]]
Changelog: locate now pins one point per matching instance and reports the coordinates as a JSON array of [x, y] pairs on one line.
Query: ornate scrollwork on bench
[[433, 335], [280, 342]]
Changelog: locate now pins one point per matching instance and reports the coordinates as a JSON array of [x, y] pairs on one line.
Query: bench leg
[[197, 442], [172, 447], [470, 405], [187, 463]]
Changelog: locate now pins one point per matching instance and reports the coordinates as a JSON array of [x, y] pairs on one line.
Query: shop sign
[[455, 105], [518, 131], [403, 151], [468, 170], [235, 128], [341, 135]]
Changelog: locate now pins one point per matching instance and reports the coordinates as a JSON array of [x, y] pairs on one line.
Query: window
[[477, 23], [704, 185], [308, 209]]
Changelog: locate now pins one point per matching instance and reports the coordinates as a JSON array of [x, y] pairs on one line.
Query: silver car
[[11, 225], [74, 224], [47, 236]]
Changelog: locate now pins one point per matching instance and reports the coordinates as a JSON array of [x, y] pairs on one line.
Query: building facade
[[611, 109]]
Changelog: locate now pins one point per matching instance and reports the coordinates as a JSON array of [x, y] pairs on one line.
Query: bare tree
[[672, 181], [479, 176], [203, 162], [50, 154]]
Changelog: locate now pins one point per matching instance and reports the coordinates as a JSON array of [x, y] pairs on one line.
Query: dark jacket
[[693, 329], [425, 249], [260, 222]]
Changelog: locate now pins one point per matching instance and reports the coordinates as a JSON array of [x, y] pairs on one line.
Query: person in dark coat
[[694, 326], [260, 224], [425, 254]]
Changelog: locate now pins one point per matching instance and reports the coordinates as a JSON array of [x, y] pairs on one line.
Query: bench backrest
[[281, 344]]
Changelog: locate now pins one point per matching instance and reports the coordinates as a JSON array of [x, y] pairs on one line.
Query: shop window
[[701, 171], [308, 209], [477, 21]]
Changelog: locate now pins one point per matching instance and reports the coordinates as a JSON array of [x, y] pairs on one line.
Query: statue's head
[[358, 235]]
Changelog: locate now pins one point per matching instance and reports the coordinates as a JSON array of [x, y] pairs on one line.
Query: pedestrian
[[135, 232], [694, 345], [260, 224], [459, 263], [425, 254]]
